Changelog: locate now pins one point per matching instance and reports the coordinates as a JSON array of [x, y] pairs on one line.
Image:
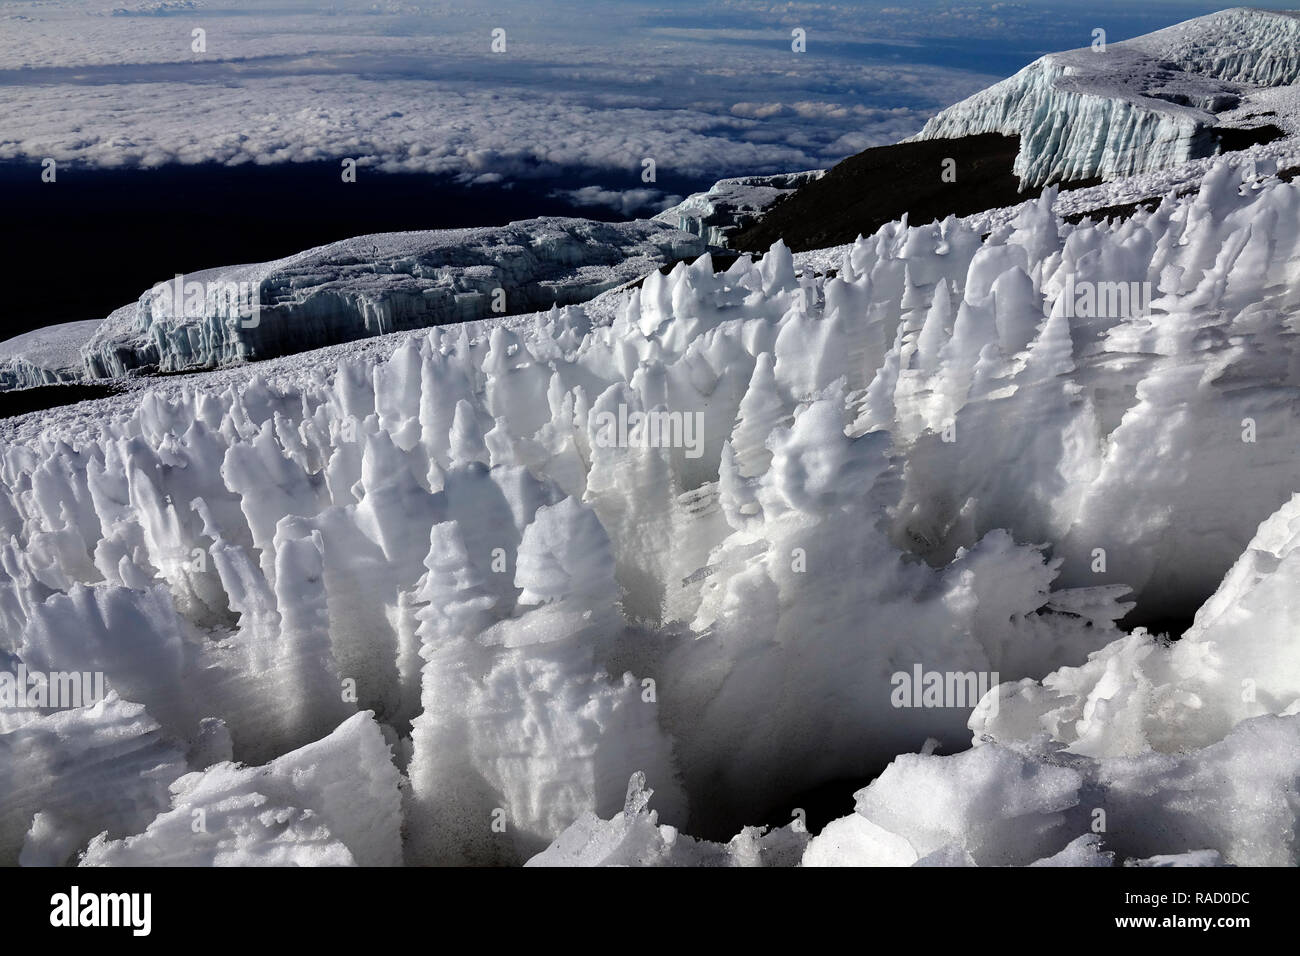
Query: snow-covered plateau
[[1114, 110], [469, 594]]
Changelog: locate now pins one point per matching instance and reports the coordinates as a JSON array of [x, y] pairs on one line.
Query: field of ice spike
[[447, 602]]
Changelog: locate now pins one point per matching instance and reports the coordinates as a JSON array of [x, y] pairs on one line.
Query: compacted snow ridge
[[1141, 105], [439, 597]]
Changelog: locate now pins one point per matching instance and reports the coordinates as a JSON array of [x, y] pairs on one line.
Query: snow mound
[[636, 838], [1031, 804], [1137, 106], [331, 803], [69, 775]]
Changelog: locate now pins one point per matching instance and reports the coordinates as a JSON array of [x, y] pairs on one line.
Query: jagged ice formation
[[448, 613]]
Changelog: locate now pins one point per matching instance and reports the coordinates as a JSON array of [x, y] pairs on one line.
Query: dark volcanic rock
[[879, 185]]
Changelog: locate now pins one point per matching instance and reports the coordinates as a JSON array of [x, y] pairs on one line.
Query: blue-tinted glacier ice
[[1141, 105], [45, 356]]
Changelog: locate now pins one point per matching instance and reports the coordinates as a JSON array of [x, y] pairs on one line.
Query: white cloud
[[759, 110], [626, 201]]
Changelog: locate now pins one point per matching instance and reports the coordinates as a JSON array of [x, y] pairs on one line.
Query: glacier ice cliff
[[425, 566], [1136, 106], [373, 284]]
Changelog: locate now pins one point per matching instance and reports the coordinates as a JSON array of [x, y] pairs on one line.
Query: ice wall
[[1241, 45], [1133, 107], [47, 356], [370, 285]]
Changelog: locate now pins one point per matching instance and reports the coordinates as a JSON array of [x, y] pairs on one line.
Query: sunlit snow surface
[[914, 462]]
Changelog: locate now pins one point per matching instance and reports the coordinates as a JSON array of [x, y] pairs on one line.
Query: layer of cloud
[[626, 201], [416, 87]]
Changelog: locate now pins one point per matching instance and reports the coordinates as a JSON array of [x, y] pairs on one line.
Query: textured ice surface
[[69, 775], [331, 803], [913, 463], [1140, 105], [1166, 754], [636, 838], [731, 204], [1029, 803], [1151, 754], [374, 284]]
